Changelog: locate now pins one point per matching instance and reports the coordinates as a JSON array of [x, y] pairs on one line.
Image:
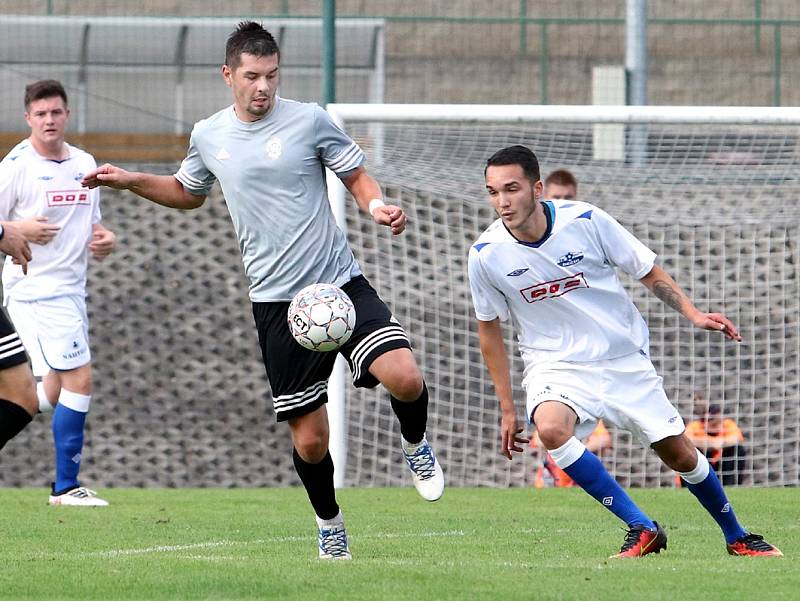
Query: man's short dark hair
[[249, 38], [516, 155], [561, 177], [46, 88]]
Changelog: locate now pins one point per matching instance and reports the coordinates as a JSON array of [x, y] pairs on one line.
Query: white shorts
[[55, 332], [625, 391]]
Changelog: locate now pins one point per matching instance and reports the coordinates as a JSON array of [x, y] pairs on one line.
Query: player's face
[[254, 83], [515, 198], [559, 192], [47, 118]]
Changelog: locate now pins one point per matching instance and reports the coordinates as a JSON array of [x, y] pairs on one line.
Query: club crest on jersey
[[78, 176], [517, 272], [570, 258], [274, 148], [554, 288], [63, 198]]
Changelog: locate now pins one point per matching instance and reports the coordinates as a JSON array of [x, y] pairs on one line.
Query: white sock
[[44, 404], [410, 447], [700, 471], [75, 400], [337, 521], [568, 453]]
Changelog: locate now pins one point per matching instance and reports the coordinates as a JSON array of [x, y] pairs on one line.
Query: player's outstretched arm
[[368, 195], [494, 354], [161, 189], [660, 283], [14, 244]]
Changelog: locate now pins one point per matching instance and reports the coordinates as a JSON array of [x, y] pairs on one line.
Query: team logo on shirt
[[554, 288], [78, 176], [570, 258], [517, 272], [63, 198], [274, 147]]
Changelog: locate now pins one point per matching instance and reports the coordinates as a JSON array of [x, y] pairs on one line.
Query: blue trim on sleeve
[[586, 215], [478, 247]]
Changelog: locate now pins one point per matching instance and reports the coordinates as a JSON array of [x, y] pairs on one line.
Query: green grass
[[473, 544]]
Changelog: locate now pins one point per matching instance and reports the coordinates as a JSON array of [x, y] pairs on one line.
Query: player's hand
[[719, 323], [510, 438], [102, 243], [391, 215], [108, 175], [37, 230], [15, 245]]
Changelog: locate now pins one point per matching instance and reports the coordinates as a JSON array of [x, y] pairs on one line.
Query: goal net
[[713, 191]]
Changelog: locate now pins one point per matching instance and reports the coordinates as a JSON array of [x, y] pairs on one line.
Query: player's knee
[[553, 434], [311, 446], [405, 386]]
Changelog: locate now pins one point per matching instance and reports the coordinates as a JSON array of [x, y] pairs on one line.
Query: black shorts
[[299, 377], [11, 350]]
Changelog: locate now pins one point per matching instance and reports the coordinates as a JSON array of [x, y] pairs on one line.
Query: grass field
[[473, 544]]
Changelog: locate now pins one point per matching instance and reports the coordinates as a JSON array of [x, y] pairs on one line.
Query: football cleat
[[333, 540], [753, 544], [640, 541], [78, 497], [425, 469]]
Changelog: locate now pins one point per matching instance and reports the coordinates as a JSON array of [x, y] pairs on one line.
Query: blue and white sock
[[589, 473], [69, 417], [703, 483]]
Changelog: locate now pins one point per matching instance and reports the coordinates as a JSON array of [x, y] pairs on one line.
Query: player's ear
[[226, 74], [538, 189]]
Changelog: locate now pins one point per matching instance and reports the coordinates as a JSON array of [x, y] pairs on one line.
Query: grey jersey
[[273, 179]]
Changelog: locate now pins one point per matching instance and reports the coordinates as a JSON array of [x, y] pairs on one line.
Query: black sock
[[413, 416], [13, 419], [318, 481]]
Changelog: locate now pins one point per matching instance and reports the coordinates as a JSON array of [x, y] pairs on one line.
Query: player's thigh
[[634, 400], [16, 380], [397, 370], [77, 380], [571, 385], [376, 333], [297, 376]]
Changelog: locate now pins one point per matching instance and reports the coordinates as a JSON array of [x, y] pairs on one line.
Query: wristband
[[374, 204]]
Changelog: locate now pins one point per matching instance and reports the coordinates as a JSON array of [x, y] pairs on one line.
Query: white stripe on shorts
[[374, 340], [287, 402]]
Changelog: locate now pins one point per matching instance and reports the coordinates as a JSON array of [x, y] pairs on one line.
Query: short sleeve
[[488, 301], [193, 173], [622, 248], [337, 151], [8, 189]]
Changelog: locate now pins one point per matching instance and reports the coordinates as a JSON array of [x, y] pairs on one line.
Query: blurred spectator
[[561, 185], [721, 440]]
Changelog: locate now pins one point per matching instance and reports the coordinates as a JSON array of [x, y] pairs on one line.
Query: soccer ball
[[321, 317]]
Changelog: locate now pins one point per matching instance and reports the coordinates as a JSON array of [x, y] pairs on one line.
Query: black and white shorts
[[299, 377], [11, 350]]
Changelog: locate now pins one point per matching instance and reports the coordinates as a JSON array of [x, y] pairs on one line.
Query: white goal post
[[713, 190]]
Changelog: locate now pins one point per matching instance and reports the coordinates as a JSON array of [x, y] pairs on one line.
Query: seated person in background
[[549, 474], [721, 441]]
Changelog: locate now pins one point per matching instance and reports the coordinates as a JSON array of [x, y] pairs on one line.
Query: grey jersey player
[[269, 155]]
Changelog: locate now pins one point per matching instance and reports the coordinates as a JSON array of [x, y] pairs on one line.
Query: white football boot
[[333, 539], [78, 497], [425, 469]]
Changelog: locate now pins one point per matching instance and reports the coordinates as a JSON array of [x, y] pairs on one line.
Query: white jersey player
[[40, 190], [550, 267]]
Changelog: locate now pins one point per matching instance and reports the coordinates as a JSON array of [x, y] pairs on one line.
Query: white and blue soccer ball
[[321, 317]]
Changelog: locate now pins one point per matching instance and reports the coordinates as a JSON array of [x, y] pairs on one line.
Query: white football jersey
[[31, 186], [562, 293]]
